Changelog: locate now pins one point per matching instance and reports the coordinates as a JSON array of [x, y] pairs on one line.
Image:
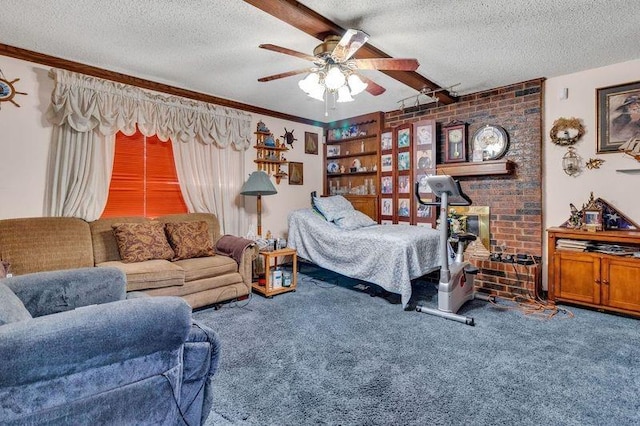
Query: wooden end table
[[268, 289]]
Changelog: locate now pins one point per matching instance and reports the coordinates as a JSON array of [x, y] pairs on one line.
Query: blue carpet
[[331, 354]]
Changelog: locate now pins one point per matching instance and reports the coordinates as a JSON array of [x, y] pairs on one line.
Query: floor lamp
[[258, 184]]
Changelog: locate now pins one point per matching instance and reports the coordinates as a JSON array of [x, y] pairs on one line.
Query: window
[[144, 180]]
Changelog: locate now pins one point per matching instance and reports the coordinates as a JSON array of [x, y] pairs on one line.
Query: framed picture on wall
[[295, 173], [387, 207], [386, 141], [404, 137], [618, 110], [310, 143]]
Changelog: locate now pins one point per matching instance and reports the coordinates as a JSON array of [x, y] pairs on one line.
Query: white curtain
[[87, 105]]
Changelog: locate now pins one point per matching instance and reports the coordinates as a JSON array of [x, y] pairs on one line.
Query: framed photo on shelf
[[386, 141], [455, 142], [296, 176], [387, 207], [386, 162], [333, 150], [404, 137], [310, 143], [592, 219], [618, 116]]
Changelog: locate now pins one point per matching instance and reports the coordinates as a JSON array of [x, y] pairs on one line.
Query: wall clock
[[8, 90], [491, 141], [455, 142]]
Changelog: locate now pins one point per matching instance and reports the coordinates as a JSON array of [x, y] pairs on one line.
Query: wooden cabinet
[[595, 279], [270, 155], [352, 161]]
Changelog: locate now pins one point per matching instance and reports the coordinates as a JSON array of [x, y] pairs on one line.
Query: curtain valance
[[86, 103]]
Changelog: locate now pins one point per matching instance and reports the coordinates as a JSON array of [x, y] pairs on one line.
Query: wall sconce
[[571, 162]]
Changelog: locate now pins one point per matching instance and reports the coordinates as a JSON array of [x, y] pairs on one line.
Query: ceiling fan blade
[[350, 42], [285, 74], [372, 87], [391, 64], [286, 51]]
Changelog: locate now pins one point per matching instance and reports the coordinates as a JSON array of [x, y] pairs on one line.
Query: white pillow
[[332, 207], [354, 219]]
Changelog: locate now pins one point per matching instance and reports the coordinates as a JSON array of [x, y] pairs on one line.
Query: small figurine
[[269, 141], [262, 127]]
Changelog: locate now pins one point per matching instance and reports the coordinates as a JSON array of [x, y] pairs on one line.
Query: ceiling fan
[[335, 71]]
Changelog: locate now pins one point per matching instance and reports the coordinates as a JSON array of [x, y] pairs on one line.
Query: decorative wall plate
[[333, 167], [491, 140]]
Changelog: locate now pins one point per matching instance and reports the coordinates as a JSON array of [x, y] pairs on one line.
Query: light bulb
[[344, 95], [356, 84], [334, 79]]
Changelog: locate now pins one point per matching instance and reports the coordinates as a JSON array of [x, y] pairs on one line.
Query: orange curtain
[[144, 180]]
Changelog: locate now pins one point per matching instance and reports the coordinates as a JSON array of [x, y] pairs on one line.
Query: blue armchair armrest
[[45, 293]]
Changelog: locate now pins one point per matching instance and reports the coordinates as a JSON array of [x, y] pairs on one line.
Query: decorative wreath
[[566, 131]]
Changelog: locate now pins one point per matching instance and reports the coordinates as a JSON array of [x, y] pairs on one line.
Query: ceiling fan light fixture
[[356, 84], [308, 83], [317, 92], [344, 95], [335, 78]]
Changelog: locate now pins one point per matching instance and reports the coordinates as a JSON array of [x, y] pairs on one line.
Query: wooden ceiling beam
[[301, 17]]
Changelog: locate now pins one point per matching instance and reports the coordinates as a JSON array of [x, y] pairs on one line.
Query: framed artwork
[[386, 141], [387, 207], [404, 137], [592, 220], [404, 161], [423, 186], [403, 184], [333, 150], [310, 143], [296, 176], [424, 132], [455, 142], [423, 211], [618, 116], [386, 162], [403, 208], [387, 184], [424, 160]]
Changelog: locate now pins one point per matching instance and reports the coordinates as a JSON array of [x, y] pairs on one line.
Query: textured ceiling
[[211, 46]]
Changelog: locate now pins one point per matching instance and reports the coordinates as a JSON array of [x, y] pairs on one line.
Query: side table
[[271, 262]]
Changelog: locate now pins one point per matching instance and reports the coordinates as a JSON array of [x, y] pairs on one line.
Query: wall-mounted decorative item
[[490, 141], [571, 162], [632, 147], [566, 131], [455, 142], [296, 175], [8, 90], [618, 116], [288, 137], [310, 143], [386, 141], [594, 163], [404, 137]]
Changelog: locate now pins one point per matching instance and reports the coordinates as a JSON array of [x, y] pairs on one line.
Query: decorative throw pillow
[[189, 239], [354, 219], [11, 307], [332, 207], [138, 242]]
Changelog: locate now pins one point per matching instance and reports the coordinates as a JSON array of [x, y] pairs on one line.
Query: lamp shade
[[259, 183]]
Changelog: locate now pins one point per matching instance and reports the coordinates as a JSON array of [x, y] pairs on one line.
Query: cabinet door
[[621, 284], [577, 277]]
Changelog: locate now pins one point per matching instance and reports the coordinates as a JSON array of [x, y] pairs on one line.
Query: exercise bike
[[455, 286]]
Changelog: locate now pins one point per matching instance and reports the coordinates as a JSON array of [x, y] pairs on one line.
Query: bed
[[387, 255]]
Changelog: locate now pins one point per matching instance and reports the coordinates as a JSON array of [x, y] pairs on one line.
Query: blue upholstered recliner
[[75, 350]]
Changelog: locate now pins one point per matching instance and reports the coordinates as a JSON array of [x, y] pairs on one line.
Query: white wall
[[275, 208], [24, 140], [559, 189], [25, 137]]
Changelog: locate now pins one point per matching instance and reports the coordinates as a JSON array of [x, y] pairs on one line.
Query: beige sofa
[[53, 243]]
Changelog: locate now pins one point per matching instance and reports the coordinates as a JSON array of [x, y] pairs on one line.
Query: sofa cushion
[[11, 308], [138, 242], [189, 239], [105, 246], [149, 274], [206, 267]]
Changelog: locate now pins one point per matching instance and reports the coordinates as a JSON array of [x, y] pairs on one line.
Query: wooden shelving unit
[[270, 158]]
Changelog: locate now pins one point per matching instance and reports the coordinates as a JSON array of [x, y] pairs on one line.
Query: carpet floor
[[331, 354]]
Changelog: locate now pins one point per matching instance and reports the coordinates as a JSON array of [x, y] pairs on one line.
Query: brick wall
[[515, 200]]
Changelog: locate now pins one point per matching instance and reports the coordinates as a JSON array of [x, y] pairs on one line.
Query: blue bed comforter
[[387, 255]]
